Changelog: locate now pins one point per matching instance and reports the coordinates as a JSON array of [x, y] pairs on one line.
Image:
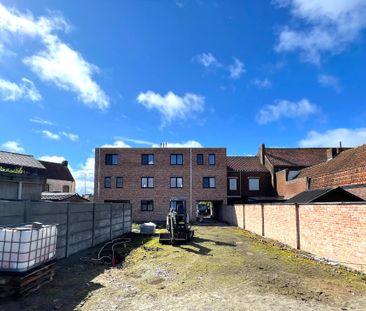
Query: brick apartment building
[[149, 178]]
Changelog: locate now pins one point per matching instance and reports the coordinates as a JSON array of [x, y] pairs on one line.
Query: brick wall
[[335, 231], [129, 167], [288, 189], [355, 176]]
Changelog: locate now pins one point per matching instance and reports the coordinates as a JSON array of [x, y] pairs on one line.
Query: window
[[111, 159], [147, 159], [176, 182], [254, 184], [65, 188], [107, 182], [147, 182], [200, 159], [119, 182], [233, 184], [176, 159], [209, 182], [147, 205], [211, 159]]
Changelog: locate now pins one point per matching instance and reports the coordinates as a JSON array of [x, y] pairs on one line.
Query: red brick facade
[[129, 166], [347, 169]]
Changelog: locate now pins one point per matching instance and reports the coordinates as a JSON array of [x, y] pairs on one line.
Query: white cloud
[[262, 83], [329, 81], [331, 138], [41, 121], [207, 60], [55, 159], [84, 176], [286, 109], [137, 141], [12, 146], [187, 144], [58, 63], [50, 135], [236, 69], [329, 26], [171, 106], [10, 91], [71, 136], [117, 144]]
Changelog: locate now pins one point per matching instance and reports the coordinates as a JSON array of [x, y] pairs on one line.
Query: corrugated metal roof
[[17, 159], [317, 194], [59, 196]]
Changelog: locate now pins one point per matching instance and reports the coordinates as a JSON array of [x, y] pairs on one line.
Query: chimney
[[333, 152], [262, 153], [65, 163]]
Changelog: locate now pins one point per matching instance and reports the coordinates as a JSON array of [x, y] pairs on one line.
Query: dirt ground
[[223, 268]]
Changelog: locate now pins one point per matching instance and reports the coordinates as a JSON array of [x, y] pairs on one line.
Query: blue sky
[[75, 75]]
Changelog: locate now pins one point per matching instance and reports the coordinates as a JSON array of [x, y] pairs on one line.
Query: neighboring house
[[248, 180], [62, 197], [346, 170], [22, 177], [149, 178], [59, 177], [293, 160], [325, 195]]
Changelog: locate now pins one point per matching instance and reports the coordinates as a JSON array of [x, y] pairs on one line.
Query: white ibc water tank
[[24, 247]]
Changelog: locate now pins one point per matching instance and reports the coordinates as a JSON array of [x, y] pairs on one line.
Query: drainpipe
[[20, 190]]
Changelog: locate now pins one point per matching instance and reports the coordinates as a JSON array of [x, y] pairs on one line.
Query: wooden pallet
[[23, 284]]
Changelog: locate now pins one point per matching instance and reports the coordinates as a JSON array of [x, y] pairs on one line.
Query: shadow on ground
[[73, 282]]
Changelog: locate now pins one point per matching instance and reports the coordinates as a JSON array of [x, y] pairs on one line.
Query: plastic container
[[26, 246], [147, 228]]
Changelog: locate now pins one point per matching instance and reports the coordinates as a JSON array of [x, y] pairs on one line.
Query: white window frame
[[255, 187], [236, 183]]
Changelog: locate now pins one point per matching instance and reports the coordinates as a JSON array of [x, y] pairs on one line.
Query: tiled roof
[[17, 159], [57, 171], [245, 164], [296, 157], [347, 160]]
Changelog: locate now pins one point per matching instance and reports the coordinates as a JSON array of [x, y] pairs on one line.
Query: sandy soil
[[223, 268]]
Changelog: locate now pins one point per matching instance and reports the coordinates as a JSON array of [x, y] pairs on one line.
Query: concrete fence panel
[[80, 225]]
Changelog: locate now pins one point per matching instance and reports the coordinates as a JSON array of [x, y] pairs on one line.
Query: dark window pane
[[65, 188], [211, 159], [147, 159], [147, 205], [206, 182], [200, 159], [111, 159], [119, 182], [107, 182]]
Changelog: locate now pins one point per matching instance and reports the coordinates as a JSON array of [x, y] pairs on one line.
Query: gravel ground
[[223, 268]]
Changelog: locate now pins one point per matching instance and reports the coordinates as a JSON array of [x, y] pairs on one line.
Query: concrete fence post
[[262, 217], [27, 210], [298, 246], [110, 220], [123, 218], [93, 226], [243, 206], [68, 224]]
